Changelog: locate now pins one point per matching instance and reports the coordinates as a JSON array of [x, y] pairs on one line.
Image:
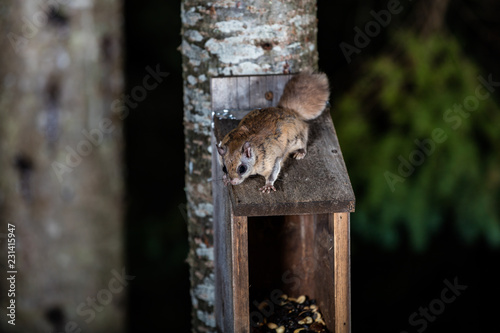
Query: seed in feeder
[[272, 326], [262, 305], [301, 299], [306, 320], [316, 327], [293, 317], [321, 322]]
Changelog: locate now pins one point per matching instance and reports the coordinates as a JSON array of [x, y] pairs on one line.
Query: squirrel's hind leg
[[299, 149]]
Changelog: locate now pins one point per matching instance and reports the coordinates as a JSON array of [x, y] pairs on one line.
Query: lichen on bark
[[229, 38]]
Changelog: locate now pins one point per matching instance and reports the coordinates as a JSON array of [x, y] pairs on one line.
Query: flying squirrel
[[264, 138]]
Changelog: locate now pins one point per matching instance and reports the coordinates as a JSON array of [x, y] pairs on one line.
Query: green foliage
[[405, 95]]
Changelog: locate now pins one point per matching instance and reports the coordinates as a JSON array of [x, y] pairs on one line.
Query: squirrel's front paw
[[267, 188]]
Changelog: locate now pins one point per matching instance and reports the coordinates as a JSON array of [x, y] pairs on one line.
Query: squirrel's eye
[[224, 169], [242, 169]]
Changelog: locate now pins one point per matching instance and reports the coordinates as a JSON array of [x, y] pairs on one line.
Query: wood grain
[[246, 92], [298, 254], [324, 267], [240, 284], [224, 309], [342, 269], [231, 262]]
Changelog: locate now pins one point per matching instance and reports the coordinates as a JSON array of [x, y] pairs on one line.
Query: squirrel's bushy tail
[[307, 94]]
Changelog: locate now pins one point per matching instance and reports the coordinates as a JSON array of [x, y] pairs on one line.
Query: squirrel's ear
[[247, 149], [222, 150]]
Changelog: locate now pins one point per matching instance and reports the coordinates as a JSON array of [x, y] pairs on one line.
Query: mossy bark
[[229, 38], [60, 164]]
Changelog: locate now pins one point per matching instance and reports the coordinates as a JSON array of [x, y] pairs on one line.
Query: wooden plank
[[218, 88], [271, 94], [279, 87], [324, 267], [317, 184], [342, 269], [258, 89], [241, 302], [224, 309], [231, 261], [243, 88], [246, 92], [298, 257]]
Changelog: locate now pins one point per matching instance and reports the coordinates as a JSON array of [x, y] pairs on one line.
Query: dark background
[[389, 283]]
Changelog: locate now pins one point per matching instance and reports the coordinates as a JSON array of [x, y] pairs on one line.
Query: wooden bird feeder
[[293, 241]]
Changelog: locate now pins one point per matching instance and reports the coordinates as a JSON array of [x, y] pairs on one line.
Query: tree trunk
[[229, 38], [60, 165], [430, 16]]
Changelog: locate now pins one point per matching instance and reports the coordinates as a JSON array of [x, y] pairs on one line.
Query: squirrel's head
[[237, 161]]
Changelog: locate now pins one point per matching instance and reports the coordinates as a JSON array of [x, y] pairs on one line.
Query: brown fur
[[266, 137], [307, 94]]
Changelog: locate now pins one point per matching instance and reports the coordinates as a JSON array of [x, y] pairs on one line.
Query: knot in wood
[[269, 95]]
